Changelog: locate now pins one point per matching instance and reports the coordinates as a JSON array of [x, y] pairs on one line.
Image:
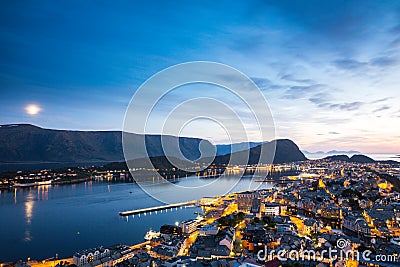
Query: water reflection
[[43, 192], [29, 203], [27, 236]]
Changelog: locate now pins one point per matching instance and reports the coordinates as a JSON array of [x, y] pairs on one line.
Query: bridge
[[164, 207]]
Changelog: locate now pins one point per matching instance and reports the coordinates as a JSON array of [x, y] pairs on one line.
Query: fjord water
[[40, 222]]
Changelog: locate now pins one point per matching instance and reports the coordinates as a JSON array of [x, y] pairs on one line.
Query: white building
[[271, 209], [90, 255], [190, 226]]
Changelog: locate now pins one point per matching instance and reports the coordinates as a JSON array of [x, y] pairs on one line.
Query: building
[[86, 256], [271, 209], [255, 209], [170, 230], [228, 239], [331, 212], [311, 226], [189, 226], [103, 257], [245, 200], [255, 236], [356, 225], [209, 229]]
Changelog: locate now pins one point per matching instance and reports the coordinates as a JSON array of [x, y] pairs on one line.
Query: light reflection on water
[[29, 203], [27, 236], [45, 220]]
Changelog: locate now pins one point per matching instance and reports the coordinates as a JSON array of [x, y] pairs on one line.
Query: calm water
[[42, 221]]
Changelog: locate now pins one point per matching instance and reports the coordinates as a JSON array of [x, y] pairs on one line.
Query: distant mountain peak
[[355, 158]]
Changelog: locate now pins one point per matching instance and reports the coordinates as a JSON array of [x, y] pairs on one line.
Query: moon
[[32, 109]]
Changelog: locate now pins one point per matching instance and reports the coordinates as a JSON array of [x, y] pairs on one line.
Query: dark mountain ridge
[[355, 158], [29, 143], [277, 151], [25, 144]]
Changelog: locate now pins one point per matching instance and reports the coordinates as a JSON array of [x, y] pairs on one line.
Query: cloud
[[263, 83], [355, 65], [323, 101], [381, 109], [319, 98], [384, 61], [395, 42], [380, 100], [295, 92], [349, 64], [342, 106], [290, 77], [334, 133]]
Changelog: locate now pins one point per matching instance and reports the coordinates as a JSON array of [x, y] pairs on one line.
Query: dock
[[164, 207]]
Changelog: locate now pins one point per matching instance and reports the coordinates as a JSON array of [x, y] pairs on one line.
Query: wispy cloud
[[342, 106], [298, 91], [263, 83], [380, 100], [384, 61], [290, 77], [349, 64], [319, 98], [381, 109]]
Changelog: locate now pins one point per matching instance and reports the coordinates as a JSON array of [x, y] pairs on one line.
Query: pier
[[164, 207]]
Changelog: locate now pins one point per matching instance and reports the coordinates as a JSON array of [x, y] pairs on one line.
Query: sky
[[328, 69]]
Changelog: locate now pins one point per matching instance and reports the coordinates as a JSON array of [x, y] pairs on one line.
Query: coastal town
[[332, 213]]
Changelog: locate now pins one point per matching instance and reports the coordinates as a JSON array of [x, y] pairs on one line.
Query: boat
[[25, 185], [44, 183], [151, 234], [33, 184]]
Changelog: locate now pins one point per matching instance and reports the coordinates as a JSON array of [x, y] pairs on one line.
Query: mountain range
[[29, 143], [332, 152], [354, 158], [282, 151], [26, 144]]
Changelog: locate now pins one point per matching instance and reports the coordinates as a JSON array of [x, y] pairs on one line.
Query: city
[[327, 201], [246, 133]]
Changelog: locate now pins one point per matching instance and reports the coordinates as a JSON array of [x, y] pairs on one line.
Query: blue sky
[[329, 69]]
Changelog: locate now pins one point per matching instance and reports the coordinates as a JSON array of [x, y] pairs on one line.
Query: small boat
[[44, 183], [33, 184], [24, 185], [151, 234]]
